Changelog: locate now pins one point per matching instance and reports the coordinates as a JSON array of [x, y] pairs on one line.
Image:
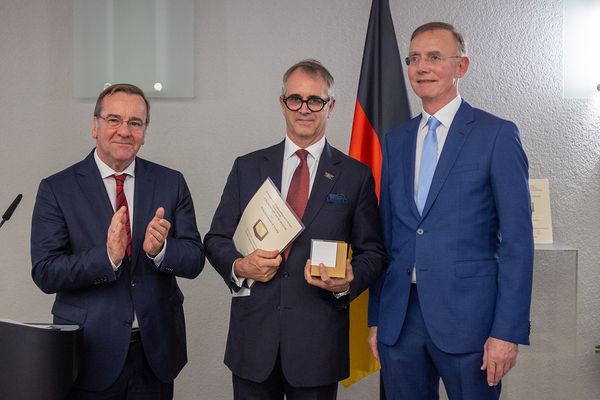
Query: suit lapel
[[457, 134], [142, 208], [92, 186], [409, 164], [272, 164], [325, 179]]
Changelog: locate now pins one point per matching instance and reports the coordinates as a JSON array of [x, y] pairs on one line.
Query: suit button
[[278, 308], [285, 274], [133, 282], [408, 271], [420, 231]]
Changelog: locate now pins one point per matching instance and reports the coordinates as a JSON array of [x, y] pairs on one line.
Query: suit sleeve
[[509, 180], [368, 253], [55, 266], [184, 256], [220, 249]]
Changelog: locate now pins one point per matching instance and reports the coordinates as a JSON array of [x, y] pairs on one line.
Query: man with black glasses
[[109, 236], [288, 333]]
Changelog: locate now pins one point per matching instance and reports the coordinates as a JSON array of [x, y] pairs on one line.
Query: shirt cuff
[[160, 256], [238, 281], [112, 264]]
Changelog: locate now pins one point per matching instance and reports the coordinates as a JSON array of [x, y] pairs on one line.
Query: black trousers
[[136, 382], [276, 386]]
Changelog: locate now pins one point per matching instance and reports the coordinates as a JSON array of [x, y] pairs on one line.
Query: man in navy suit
[[288, 333], [456, 219], [109, 236]]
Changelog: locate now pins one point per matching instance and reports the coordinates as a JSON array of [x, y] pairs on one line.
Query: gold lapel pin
[[328, 175]]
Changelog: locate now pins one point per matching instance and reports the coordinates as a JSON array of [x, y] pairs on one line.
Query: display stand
[[37, 361]]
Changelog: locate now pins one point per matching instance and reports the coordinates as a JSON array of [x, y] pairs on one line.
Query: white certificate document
[[541, 215], [267, 223]]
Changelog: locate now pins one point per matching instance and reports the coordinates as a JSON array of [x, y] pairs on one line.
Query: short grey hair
[[311, 67], [434, 26]]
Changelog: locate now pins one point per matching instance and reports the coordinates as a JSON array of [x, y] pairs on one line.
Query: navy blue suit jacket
[[305, 324], [71, 217], [473, 245]]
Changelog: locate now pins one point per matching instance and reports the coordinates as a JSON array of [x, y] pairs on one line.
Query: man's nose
[[304, 108], [423, 65], [124, 129]]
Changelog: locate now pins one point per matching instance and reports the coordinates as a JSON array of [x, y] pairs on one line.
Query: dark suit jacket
[[71, 217], [473, 245], [305, 324]]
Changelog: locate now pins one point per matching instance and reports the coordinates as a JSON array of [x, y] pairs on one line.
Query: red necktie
[[122, 201], [297, 196]]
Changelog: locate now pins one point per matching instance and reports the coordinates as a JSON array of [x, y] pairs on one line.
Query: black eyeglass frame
[[302, 101]]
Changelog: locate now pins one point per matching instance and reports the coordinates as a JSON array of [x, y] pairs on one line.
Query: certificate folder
[[267, 223]]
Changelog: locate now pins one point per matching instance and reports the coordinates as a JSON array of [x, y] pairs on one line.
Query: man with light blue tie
[[455, 211]]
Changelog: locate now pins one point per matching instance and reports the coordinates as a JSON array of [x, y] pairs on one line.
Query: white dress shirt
[[445, 115], [110, 184], [291, 162]]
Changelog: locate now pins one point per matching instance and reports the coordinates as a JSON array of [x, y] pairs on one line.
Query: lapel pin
[[328, 175]]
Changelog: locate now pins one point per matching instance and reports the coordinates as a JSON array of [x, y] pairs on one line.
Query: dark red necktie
[[122, 201], [297, 196]]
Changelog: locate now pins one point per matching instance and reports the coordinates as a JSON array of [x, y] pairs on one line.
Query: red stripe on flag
[[364, 144]]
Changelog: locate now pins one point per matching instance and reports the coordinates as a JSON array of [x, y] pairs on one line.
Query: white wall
[[242, 49]]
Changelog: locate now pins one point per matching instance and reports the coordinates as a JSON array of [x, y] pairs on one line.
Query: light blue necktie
[[428, 163]]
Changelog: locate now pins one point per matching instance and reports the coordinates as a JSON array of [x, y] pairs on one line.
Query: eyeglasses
[[114, 121], [314, 103], [431, 59]]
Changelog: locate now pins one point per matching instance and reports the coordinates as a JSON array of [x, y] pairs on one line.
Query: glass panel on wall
[[149, 43], [581, 55]]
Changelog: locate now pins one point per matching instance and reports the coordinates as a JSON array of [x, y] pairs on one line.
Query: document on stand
[[541, 216], [267, 223]]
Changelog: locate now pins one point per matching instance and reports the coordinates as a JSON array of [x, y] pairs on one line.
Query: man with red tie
[[109, 236], [288, 333]]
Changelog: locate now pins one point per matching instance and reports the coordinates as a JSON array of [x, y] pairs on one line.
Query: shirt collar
[[106, 171], [445, 114], [314, 149]]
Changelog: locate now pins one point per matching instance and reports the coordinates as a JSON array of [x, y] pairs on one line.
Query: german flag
[[381, 105]]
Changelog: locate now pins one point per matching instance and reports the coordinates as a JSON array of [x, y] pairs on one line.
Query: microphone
[[11, 209]]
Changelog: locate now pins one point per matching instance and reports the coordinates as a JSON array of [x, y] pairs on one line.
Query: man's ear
[[463, 67], [95, 128], [330, 109]]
